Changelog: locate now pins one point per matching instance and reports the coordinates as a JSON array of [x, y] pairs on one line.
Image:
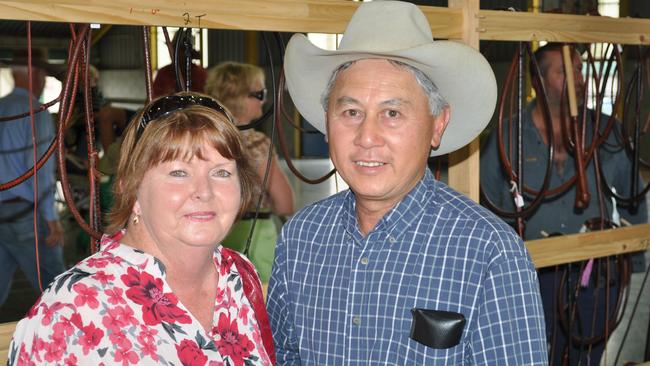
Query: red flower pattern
[[190, 354], [97, 262], [90, 338], [121, 314], [63, 329], [87, 295], [71, 360], [126, 356], [49, 311], [233, 344], [120, 339], [243, 313], [148, 349], [115, 296], [104, 278], [24, 359], [53, 351], [157, 306]]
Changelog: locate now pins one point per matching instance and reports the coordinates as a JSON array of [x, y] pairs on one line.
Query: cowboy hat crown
[[407, 28], [20, 57]]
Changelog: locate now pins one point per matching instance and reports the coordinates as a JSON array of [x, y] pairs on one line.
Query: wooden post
[[578, 247], [153, 48], [464, 164], [6, 332], [251, 54]]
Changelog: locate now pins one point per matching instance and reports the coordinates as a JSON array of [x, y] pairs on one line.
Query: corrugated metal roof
[[54, 37]]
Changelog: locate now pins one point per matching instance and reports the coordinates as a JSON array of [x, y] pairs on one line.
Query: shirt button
[[364, 260], [392, 240], [356, 320]]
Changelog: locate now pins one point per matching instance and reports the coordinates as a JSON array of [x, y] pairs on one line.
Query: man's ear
[[439, 125]]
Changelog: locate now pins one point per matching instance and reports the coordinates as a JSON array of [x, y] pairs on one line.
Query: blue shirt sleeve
[[510, 323], [17, 155], [47, 174]]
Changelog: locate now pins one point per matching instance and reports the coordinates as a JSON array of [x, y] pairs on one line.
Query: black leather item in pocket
[[437, 328]]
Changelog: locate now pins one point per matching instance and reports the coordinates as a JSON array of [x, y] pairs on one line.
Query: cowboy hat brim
[[463, 76], [57, 71]]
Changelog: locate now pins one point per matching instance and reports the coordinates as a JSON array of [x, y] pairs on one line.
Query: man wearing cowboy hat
[[17, 237], [400, 269]]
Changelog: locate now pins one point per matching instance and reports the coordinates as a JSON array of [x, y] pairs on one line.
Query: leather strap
[[253, 291], [260, 215]]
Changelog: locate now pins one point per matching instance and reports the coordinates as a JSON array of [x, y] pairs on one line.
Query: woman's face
[[252, 106], [190, 203]]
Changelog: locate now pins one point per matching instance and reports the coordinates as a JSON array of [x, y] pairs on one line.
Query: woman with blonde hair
[[240, 87], [161, 290]]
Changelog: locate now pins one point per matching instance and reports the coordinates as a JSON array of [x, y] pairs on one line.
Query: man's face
[[380, 130], [21, 79], [554, 77]]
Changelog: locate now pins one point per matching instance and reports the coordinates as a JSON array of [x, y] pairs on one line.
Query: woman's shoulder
[[91, 281], [82, 297], [85, 283]]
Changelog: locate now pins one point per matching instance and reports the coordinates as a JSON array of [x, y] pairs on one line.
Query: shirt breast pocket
[[437, 329]]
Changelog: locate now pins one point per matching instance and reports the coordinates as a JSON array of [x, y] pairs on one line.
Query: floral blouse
[[116, 308]]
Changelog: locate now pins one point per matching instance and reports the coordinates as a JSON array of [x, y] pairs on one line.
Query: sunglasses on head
[[172, 103], [260, 94]]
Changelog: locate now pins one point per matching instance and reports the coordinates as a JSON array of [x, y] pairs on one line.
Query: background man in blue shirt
[[400, 269], [17, 236], [557, 214]]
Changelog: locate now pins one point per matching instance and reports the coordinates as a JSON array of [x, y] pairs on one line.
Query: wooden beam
[[572, 248], [251, 55], [464, 170], [464, 164], [512, 26], [324, 16], [6, 332], [328, 16]]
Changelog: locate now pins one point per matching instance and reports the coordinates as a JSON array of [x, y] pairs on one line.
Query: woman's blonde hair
[[181, 134], [230, 82]]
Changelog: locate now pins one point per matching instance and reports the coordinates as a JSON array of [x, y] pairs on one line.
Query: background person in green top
[[240, 88]]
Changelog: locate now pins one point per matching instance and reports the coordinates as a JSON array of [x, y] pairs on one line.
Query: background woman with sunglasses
[[161, 290], [240, 88]]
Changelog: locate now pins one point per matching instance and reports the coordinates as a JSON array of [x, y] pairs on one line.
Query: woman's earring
[[136, 219]]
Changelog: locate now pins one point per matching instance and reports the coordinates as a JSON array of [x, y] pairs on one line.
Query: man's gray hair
[[436, 101]]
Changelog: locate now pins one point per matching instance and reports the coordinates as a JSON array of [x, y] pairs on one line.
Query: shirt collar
[[398, 219]]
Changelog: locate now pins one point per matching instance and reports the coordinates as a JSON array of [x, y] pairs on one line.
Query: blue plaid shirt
[[17, 152], [339, 298]]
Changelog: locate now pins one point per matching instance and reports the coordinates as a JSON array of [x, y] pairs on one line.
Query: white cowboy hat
[[399, 31]]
